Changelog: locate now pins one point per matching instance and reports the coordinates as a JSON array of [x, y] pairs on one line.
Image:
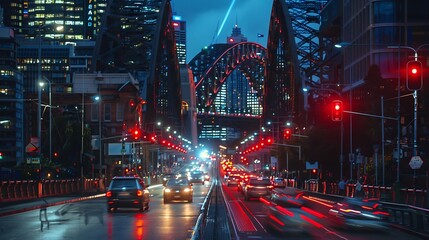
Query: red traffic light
[[337, 110], [287, 133], [414, 75], [136, 132]]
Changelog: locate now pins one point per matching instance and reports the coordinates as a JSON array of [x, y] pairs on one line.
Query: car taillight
[[270, 186], [108, 194], [139, 193], [250, 186]]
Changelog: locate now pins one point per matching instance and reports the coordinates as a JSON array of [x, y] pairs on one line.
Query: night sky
[[204, 19]]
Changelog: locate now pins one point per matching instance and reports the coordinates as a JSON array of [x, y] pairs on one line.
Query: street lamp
[[50, 114], [351, 156], [98, 99], [39, 94]]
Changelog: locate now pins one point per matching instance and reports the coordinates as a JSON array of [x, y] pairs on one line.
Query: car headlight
[[167, 190], [187, 190]]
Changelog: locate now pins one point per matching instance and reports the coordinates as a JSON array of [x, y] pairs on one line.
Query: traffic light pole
[[382, 129]]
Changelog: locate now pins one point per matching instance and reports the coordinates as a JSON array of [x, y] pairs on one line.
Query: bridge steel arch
[[138, 37], [247, 57], [283, 82]]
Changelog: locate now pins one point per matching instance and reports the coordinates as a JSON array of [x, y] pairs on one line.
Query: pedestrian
[[358, 189], [342, 187]]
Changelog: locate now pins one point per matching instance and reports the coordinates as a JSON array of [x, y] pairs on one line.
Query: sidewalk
[[9, 208]]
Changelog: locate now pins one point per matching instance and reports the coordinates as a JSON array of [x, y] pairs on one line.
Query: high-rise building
[[236, 36], [377, 39], [52, 28], [11, 13], [11, 102], [63, 21], [139, 39], [180, 35]]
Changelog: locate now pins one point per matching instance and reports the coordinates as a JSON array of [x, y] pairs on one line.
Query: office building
[[11, 102], [180, 36]]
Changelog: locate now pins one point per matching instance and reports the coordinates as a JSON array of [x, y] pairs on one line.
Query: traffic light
[[136, 132], [414, 75], [1, 155], [132, 105], [287, 133], [337, 110]]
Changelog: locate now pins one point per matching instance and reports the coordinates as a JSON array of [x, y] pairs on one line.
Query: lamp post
[[39, 94], [351, 154], [82, 138], [50, 115], [98, 99]]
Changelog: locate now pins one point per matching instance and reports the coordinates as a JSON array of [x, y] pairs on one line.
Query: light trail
[[224, 20]]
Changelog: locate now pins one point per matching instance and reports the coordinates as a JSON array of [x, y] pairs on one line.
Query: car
[[178, 189], [279, 182], [244, 179], [354, 213], [206, 177], [166, 177], [233, 179], [286, 212], [127, 192], [257, 187], [196, 177]]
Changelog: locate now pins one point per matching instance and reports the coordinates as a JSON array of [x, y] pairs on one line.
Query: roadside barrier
[[410, 196], [31, 189]]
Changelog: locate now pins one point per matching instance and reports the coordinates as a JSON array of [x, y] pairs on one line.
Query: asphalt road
[[89, 219]]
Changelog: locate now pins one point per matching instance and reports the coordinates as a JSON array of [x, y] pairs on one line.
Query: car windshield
[[177, 182], [259, 182], [123, 183]]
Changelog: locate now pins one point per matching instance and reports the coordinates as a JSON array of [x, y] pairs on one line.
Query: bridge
[[275, 76]]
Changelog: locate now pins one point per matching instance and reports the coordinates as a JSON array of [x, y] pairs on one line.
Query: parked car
[[257, 187], [178, 189], [127, 192], [352, 213]]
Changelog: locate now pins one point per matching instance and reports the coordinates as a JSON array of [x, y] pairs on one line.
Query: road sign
[[33, 160], [416, 162]]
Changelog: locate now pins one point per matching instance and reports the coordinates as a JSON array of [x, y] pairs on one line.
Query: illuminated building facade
[[180, 35], [11, 103]]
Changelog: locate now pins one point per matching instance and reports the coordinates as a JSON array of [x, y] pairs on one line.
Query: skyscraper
[[180, 35], [64, 21], [11, 102]]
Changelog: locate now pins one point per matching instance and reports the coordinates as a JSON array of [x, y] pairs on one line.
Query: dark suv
[[127, 192]]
